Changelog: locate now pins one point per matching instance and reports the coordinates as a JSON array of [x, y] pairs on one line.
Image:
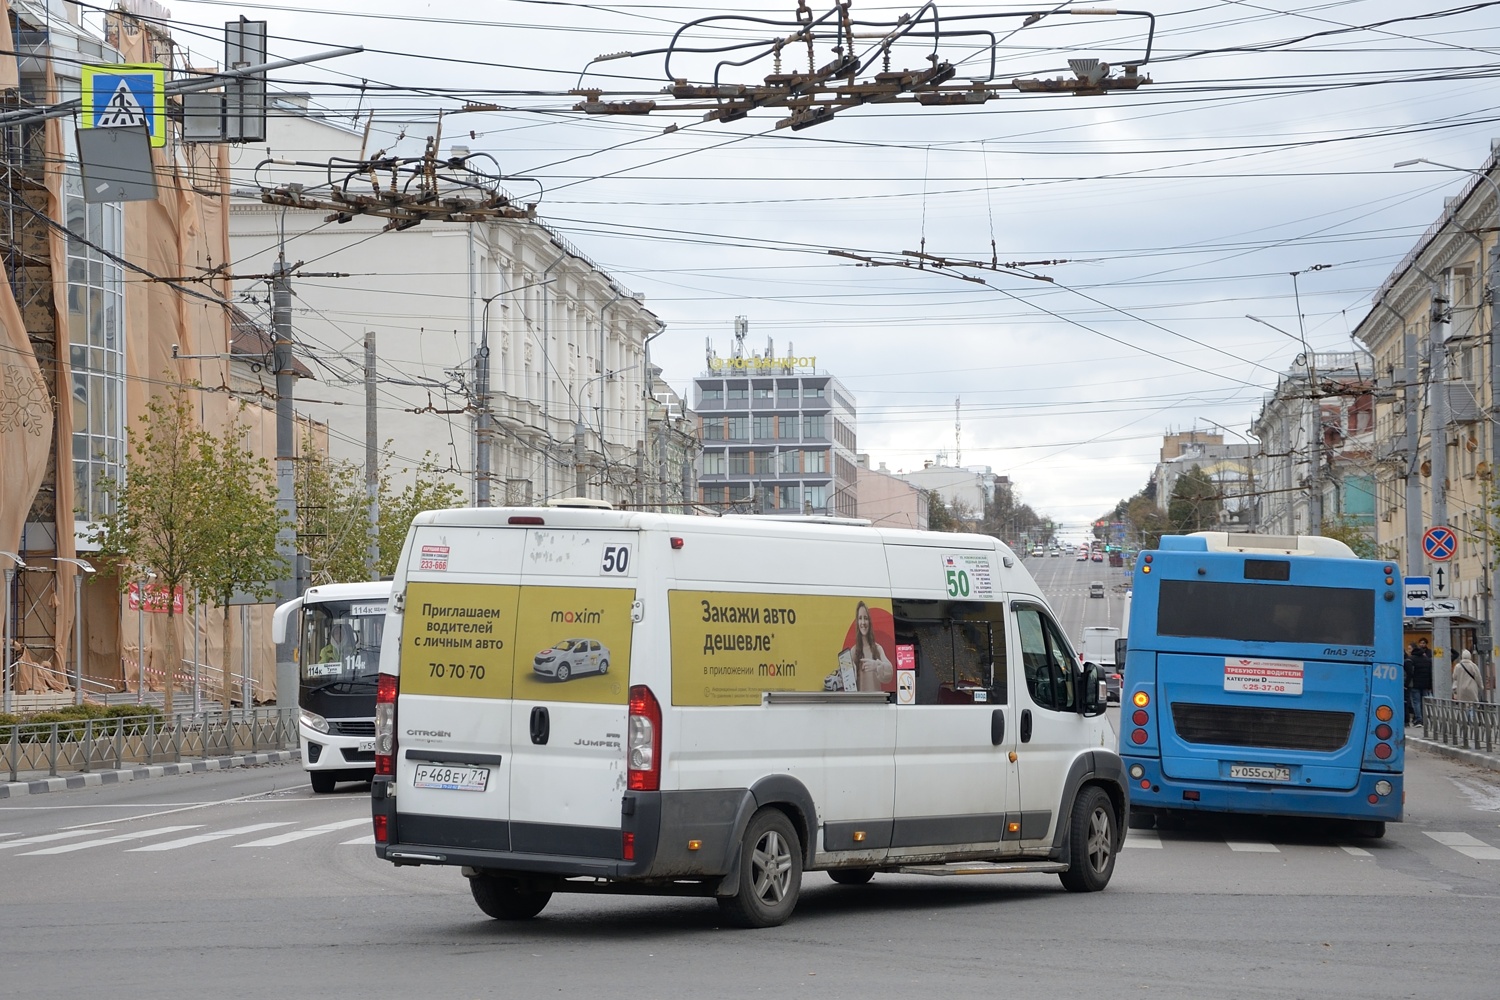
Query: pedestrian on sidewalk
[[1466, 678], [1421, 678]]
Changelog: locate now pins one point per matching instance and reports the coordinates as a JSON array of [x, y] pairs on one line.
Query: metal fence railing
[[1472, 725], [83, 745]]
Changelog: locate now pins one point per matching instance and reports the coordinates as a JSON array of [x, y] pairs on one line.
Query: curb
[[15, 789], [1476, 757]]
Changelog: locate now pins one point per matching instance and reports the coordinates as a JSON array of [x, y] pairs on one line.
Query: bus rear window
[[1247, 612]]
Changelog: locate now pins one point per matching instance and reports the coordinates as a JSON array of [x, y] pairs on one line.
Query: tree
[[938, 516], [333, 517], [192, 508], [1349, 531], [1195, 502], [243, 557]]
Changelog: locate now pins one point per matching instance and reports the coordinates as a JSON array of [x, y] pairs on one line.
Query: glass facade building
[[780, 443]]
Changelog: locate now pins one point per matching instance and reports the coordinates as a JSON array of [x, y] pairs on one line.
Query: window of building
[[813, 426], [786, 427], [714, 463], [761, 392], [737, 390], [817, 496], [713, 429], [812, 392], [788, 463], [764, 428], [789, 498], [712, 395], [739, 428], [815, 461], [740, 492], [763, 463], [843, 434], [787, 391], [739, 463]]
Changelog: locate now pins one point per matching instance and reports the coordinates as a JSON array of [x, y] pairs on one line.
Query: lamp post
[[84, 569], [484, 424], [1494, 294], [1250, 475], [580, 478], [141, 587], [16, 562]]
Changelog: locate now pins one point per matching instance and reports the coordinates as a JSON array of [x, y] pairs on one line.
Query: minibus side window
[[1045, 659], [958, 649]]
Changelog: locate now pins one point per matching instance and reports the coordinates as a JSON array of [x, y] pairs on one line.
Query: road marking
[[1483, 797], [1358, 852], [118, 838], [1252, 847], [204, 838], [1466, 845], [312, 831], [47, 837], [1143, 838], [367, 840]]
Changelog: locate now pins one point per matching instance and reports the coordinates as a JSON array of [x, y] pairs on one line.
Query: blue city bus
[[1263, 676]]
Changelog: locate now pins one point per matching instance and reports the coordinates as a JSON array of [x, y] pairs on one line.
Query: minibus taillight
[[643, 747], [385, 724]]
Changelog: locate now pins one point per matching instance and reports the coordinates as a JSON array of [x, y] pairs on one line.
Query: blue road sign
[[1440, 543], [1418, 593]]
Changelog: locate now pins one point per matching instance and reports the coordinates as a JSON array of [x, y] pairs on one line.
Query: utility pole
[[288, 587], [1442, 663], [372, 467], [1494, 428]]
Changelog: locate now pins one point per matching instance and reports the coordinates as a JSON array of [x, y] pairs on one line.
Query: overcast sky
[[1263, 146]]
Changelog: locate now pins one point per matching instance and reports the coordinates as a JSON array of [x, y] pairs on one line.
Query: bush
[[38, 728]]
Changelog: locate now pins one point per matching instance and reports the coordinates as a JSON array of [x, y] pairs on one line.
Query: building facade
[[501, 319], [778, 436], [1227, 466], [966, 491], [887, 500]]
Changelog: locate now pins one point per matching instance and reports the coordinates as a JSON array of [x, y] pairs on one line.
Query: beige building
[[887, 500], [1432, 333]]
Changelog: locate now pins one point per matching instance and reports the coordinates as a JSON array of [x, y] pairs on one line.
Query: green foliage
[[1144, 522], [1195, 504], [1351, 533], [939, 518], [333, 513], [70, 721]]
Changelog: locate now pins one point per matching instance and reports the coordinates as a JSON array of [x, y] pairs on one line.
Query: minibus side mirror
[[1093, 691]]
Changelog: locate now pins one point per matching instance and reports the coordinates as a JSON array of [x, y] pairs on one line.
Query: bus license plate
[[1260, 772], [455, 779], [366, 744]]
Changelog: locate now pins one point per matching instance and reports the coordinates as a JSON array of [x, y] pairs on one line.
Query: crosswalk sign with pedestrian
[[126, 94]]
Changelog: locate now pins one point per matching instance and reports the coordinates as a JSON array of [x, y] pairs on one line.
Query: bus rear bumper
[[1154, 790]]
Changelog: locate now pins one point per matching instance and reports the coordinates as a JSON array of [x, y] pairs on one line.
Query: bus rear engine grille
[[1277, 728]]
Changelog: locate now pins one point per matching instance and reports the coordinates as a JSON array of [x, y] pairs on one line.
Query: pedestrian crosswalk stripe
[[1466, 845], [116, 839], [49, 837], [1143, 838], [367, 840], [203, 838], [312, 831], [1252, 847], [1358, 852]]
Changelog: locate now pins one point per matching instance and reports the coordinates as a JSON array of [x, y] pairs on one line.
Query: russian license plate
[[1260, 772], [367, 744], [455, 779]]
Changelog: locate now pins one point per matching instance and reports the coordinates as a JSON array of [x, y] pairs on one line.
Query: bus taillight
[[643, 746]]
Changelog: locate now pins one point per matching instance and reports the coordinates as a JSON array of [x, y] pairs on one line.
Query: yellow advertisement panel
[[728, 648], [458, 639], [573, 644]]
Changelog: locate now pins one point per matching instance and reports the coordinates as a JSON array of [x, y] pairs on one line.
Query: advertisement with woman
[[865, 663]]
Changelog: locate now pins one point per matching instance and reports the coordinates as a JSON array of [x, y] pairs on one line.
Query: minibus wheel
[[851, 876], [504, 899], [770, 872], [1092, 842]]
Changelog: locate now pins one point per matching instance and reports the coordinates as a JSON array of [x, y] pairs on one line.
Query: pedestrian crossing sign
[[126, 94]]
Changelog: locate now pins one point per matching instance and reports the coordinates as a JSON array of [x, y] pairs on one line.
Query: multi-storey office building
[[778, 437]]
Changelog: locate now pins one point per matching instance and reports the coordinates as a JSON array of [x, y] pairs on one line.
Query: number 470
[[958, 583]]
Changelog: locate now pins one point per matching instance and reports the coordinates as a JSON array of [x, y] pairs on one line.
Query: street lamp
[[484, 425], [579, 431], [16, 562], [84, 570], [1494, 377], [1315, 485], [1249, 466]]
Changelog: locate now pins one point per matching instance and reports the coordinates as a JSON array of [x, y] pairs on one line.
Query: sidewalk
[[1416, 741], [40, 783]]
